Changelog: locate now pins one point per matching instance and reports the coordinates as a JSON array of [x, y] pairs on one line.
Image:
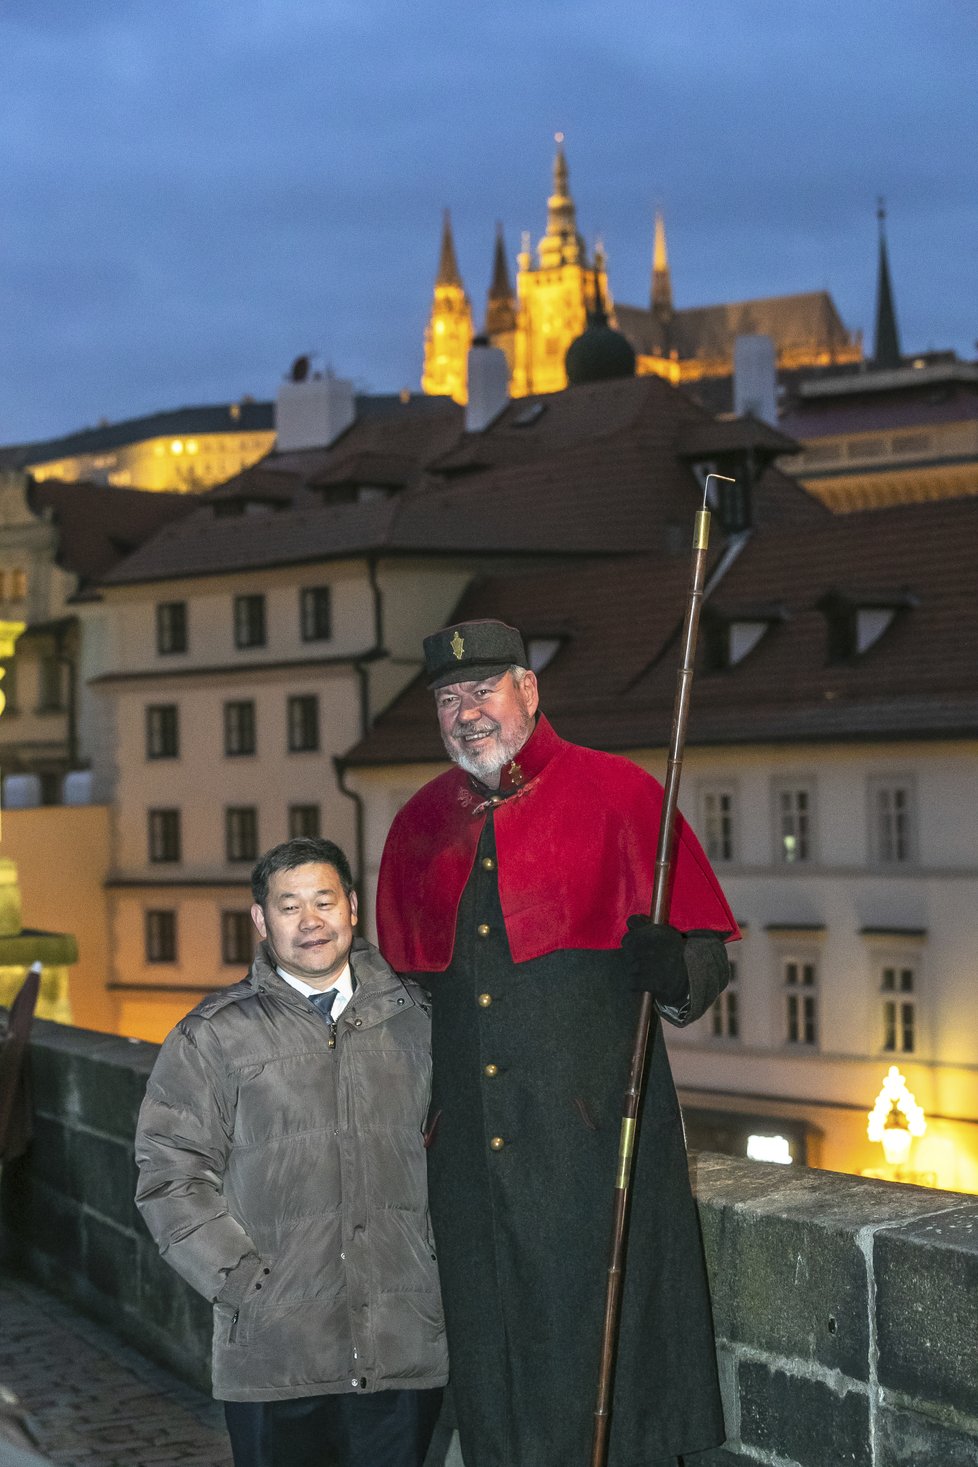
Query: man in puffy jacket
[[281, 1172]]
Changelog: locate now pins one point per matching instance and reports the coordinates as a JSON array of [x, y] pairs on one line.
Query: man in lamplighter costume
[[518, 884]]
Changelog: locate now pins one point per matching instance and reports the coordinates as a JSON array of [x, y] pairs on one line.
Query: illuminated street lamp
[[896, 1119]]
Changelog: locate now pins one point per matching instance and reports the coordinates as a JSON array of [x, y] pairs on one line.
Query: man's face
[[484, 724], [308, 922]]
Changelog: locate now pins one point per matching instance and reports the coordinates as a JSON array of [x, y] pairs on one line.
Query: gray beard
[[486, 767]]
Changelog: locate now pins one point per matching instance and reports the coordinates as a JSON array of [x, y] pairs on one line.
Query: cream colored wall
[[841, 893], [62, 856]]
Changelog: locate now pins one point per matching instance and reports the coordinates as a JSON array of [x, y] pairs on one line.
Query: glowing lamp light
[[769, 1148], [896, 1119]]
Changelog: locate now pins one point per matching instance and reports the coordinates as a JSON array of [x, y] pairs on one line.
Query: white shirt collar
[[343, 985]]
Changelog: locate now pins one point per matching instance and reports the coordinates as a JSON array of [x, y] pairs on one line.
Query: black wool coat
[[530, 1064]]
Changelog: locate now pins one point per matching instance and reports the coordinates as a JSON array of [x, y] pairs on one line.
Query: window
[[18, 584], [315, 614], [801, 1000], [161, 937], [162, 731], [793, 815], [171, 627], [717, 821], [164, 835], [725, 1014], [898, 982], [304, 820], [237, 937], [303, 724], [239, 728], [241, 832], [892, 822], [249, 621], [51, 685]]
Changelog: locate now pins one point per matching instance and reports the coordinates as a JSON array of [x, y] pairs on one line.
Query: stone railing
[[846, 1310]]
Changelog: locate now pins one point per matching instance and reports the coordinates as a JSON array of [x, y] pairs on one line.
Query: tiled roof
[[597, 471], [612, 684], [99, 525]]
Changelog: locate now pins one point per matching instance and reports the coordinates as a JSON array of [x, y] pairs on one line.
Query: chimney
[[312, 412], [488, 384], [754, 384]]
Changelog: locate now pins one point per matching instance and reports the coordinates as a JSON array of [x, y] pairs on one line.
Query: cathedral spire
[[661, 280], [886, 351], [500, 304], [561, 245], [448, 271]]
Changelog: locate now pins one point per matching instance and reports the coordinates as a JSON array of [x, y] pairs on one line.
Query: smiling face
[[308, 922], [485, 723]]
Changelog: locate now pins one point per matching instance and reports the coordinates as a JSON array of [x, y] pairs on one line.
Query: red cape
[[575, 847]]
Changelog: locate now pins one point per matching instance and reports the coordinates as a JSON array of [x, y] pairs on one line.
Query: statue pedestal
[[19, 948]]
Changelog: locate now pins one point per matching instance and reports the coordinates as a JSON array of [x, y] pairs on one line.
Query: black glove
[[654, 961]]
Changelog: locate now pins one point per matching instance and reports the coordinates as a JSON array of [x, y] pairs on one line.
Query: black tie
[[323, 1003]]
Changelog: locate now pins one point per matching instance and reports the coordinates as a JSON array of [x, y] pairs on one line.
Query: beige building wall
[[849, 913], [409, 599]]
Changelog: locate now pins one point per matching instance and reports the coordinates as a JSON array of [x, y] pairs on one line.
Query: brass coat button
[[485, 999], [491, 1070], [488, 864], [497, 1143], [483, 929]]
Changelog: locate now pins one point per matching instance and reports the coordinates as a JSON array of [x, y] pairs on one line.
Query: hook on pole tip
[[706, 484]]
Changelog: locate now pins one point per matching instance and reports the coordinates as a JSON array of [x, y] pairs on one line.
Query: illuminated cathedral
[[558, 290]]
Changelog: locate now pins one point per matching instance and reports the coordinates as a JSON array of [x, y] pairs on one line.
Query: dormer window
[[541, 651], [743, 638], [871, 623], [730, 636], [857, 621]]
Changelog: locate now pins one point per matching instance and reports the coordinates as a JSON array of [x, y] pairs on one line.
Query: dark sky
[[196, 191]]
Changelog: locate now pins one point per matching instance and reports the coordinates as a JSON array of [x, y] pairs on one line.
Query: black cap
[[470, 650]]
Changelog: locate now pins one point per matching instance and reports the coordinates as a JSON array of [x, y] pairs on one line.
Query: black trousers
[[378, 1429]]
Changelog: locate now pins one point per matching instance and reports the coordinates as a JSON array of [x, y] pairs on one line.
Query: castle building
[[556, 291], [183, 451]]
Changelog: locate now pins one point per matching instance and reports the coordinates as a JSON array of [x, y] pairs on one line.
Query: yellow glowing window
[[191, 445], [176, 446]]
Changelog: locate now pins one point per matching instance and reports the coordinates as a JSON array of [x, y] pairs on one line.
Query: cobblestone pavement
[[91, 1401]]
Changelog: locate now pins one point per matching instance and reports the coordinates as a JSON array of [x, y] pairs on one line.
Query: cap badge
[[458, 647]]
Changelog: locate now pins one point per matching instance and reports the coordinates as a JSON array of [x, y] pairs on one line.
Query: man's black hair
[[302, 850]]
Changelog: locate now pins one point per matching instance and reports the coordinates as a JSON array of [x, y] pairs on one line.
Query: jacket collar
[[531, 760]]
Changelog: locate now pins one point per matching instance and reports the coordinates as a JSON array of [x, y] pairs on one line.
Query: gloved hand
[[654, 960]]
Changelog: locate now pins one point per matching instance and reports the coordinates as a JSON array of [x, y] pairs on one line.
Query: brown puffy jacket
[[285, 1181]]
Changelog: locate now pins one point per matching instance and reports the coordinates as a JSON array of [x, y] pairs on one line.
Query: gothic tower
[[661, 296], [554, 295], [886, 347], [449, 331], [501, 304]]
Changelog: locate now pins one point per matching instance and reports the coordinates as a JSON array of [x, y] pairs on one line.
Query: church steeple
[[449, 332], [561, 245], [661, 296], [886, 349], [661, 281], [448, 271], [500, 303]]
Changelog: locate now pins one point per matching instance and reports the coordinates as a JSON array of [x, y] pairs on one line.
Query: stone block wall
[[846, 1314], [68, 1215], [846, 1310]]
